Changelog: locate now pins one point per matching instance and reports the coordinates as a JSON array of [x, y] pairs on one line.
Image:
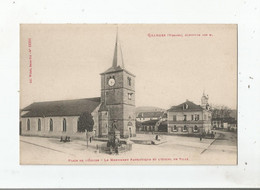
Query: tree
[[220, 112], [86, 122]]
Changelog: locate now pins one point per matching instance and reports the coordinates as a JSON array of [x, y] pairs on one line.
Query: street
[[224, 147], [175, 150]]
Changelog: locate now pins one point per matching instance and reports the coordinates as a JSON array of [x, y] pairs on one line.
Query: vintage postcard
[[148, 94]]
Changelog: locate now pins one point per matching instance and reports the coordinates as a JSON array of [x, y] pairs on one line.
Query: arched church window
[[185, 128], [51, 125], [78, 125], [64, 125], [39, 125], [195, 128], [28, 125]]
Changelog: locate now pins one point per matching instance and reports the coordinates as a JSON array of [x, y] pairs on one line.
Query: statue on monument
[[114, 126], [113, 138]]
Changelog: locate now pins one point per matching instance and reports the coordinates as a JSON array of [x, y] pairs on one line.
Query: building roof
[[186, 106], [150, 114], [150, 122], [118, 61], [62, 108]]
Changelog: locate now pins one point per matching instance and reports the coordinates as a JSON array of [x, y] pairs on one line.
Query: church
[[116, 104]]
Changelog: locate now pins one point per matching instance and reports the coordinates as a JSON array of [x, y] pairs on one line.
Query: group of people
[[67, 139], [209, 134]]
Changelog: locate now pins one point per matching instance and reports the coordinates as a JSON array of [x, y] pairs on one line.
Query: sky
[[172, 63]]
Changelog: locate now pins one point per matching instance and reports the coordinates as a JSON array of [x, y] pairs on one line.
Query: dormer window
[[185, 106]]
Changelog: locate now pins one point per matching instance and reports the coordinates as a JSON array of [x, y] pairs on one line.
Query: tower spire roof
[[118, 61], [118, 55]]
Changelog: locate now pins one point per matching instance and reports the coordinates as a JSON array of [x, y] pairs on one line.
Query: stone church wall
[[71, 127]]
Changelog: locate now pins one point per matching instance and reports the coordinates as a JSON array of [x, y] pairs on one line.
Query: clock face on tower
[[111, 82]]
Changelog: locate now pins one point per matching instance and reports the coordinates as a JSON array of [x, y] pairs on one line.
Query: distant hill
[[147, 109]]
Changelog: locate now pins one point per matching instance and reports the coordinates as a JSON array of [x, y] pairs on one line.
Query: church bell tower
[[117, 97], [204, 101]]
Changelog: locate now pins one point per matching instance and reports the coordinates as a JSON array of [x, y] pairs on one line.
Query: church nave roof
[[62, 108]]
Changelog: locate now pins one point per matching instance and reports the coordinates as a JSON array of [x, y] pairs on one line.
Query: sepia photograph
[[128, 94]]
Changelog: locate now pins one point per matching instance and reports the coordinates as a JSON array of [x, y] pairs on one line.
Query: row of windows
[[174, 128], [195, 117], [64, 125]]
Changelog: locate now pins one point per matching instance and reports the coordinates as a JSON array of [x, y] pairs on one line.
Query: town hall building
[[189, 117], [116, 104]]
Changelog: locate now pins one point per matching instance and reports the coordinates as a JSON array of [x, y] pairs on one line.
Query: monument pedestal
[[113, 136], [114, 144]]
